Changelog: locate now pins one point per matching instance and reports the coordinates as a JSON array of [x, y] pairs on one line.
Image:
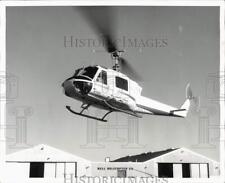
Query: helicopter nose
[[68, 88], [72, 87]]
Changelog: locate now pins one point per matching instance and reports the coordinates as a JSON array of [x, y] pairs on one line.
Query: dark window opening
[[86, 72], [165, 170], [186, 170], [121, 173], [122, 83], [36, 169], [102, 77]]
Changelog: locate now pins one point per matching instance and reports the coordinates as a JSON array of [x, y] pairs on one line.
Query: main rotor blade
[[128, 69], [100, 18]]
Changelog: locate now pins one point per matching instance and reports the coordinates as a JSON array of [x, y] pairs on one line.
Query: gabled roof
[[144, 156], [43, 153]]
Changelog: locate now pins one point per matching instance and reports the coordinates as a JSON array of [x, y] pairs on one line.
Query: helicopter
[[113, 90]]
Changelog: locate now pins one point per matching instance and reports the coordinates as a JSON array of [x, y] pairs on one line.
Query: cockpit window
[[88, 72]]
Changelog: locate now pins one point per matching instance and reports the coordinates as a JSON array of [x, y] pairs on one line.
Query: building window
[[165, 170], [36, 170], [121, 83], [186, 173], [102, 77], [121, 173]]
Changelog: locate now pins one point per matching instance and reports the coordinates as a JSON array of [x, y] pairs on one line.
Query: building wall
[[112, 169], [84, 168], [59, 169], [17, 170], [197, 163], [183, 156], [115, 169], [51, 169]]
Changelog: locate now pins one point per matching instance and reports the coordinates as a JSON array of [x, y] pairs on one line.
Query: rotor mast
[[116, 57]]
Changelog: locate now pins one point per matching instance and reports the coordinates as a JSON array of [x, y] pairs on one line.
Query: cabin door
[[101, 85]]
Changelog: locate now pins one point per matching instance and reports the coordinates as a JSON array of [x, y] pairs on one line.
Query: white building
[[43, 161], [171, 163]]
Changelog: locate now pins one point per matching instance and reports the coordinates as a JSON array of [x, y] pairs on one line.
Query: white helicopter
[[114, 91]]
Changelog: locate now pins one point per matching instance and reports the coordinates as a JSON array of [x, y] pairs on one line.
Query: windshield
[[88, 72]]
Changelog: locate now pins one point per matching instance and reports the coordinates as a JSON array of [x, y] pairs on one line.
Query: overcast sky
[[36, 54]]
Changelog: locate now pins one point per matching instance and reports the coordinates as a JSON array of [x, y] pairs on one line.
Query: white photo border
[[5, 4]]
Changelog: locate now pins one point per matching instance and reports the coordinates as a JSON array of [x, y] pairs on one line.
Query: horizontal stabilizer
[[182, 112]]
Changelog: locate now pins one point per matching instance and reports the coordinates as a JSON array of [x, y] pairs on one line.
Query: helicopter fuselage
[[104, 88], [114, 91]]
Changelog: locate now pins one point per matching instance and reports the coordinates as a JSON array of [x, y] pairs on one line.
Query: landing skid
[[88, 116]]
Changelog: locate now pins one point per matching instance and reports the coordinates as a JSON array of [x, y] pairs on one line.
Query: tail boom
[[148, 106]]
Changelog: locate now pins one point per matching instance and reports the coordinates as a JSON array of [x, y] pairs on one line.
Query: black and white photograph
[[112, 93]]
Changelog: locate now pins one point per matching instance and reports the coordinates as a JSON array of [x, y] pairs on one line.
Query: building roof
[[144, 156], [43, 153]]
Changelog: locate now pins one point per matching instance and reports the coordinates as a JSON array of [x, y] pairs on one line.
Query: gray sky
[[37, 56]]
